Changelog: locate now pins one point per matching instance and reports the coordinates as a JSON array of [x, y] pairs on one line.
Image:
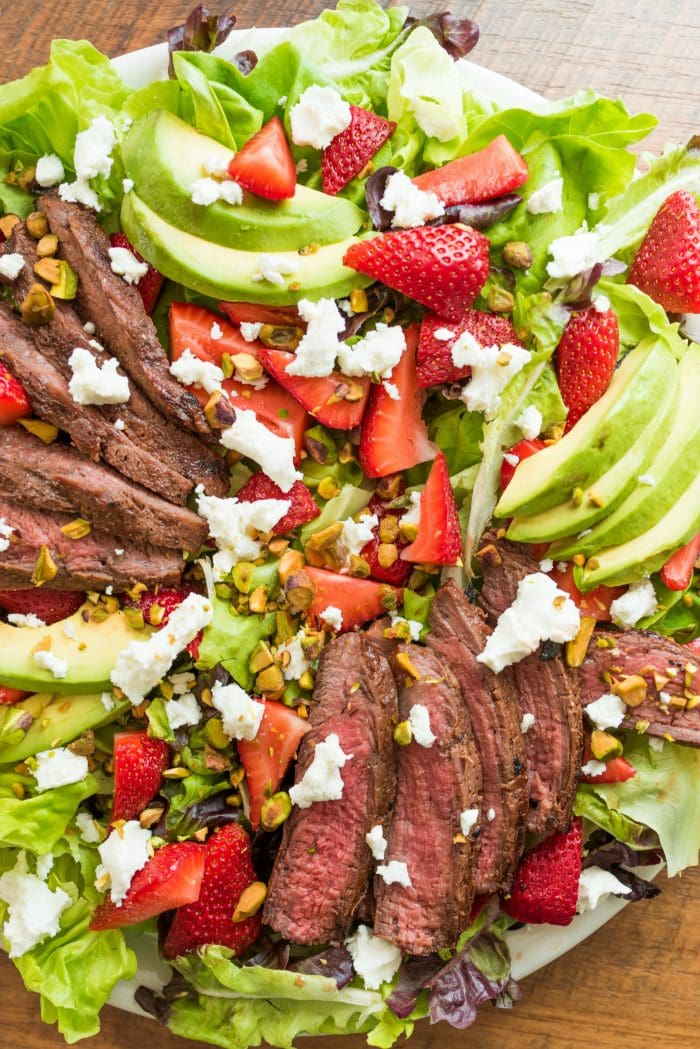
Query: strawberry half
[[267, 757], [10, 696], [359, 600], [677, 573], [434, 363], [545, 886], [228, 870], [48, 605], [586, 359], [139, 764], [158, 605], [303, 507], [150, 285], [439, 539], [264, 165], [353, 148], [323, 397], [441, 267], [667, 263], [14, 403]]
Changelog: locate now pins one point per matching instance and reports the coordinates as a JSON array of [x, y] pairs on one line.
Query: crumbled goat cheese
[[412, 515], [593, 768], [411, 206], [392, 390], [125, 852], [182, 683], [298, 663], [574, 254], [230, 192], [89, 328], [215, 164], [375, 960], [240, 714], [142, 664], [127, 184], [234, 526], [70, 631], [444, 334], [282, 101], [377, 842], [320, 114], [204, 191], [492, 367], [119, 425], [79, 192], [183, 712], [646, 479], [92, 156], [216, 332], [636, 603], [547, 199], [191, 371], [395, 873], [468, 819], [529, 422], [414, 627], [11, 265], [250, 330], [33, 911], [332, 617], [30, 620], [512, 460], [419, 719], [606, 712], [356, 534], [540, 612], [88, 827], [601, 303], [526, 722], [96, 345], [118, 551], [44, 866], [377, 354], [594, 885], [664, 698], [274, 268], [322, 780], [6, 533], [107, 700], [274, 454], [54, 665], [58, 768], [92, 384], [491, 815], [125, 264], [690, 326], [49, 170], [546, 565], [316, 353]]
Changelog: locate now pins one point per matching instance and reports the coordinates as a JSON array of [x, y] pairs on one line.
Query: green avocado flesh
[[57, 720], [598, 440], [90, 657], [163, 156], [227, 273]]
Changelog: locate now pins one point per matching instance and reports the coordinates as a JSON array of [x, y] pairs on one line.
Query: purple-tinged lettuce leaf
[[202, 30], [480, 216], [413, 976], [480, 973], [458, 36], [335, 963]]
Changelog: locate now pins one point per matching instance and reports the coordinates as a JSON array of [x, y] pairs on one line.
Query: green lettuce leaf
[[346, 503], [592, 808], [230, 640], [38, 822], [678, 613], [638, 316]]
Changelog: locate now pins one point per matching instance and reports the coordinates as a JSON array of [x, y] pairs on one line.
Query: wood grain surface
[[635, 983]]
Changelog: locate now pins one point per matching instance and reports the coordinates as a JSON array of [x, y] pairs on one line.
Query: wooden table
[[635, 983]]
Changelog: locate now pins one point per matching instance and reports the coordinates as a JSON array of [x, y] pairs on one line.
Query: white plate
[[532, 947]]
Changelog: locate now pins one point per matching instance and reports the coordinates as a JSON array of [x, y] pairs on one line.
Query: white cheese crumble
[[411, 206], [444, 334], [250, 330], [107, 700], [240, 714], [392, 390], [89, 328], [636, 603], [28, 620], [594, 201], [594, 885], [546, 565], [59, 768], [70, 631], [574, 254], [34, 910], [274, 268], [322, 780], [6, 533], [49, 170], [274, 455], [646, 479], [395, 873], [547, 199], [142, 664], [377, 354], [234, 526], [320, 114], [491, 815], [492, 367], [529, 422], [656, 743], [119, 425], [125, 264], [183, 712], [419, 719], [356, 534], [512, 460], [206, 191], [216, 332], [316, 353], [540, 612], [92, 156], [377, 842], [375, 960], [606, 712], [54, 665], [593, 768], [298, 663], [92, 384], [332, 617], [11, 265], [44, 866], [526, 722], [89, 828], [125, 852], [302, 166], [127, 184], [468, 819], [230, 192], [412, 515], [601, 303], [691, 326], [191, 371]]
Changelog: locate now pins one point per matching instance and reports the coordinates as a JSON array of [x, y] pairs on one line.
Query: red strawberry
[[49, 605], [617, 770], [434, 359], [399, 571], [439, 539], [667, 263], [349, 151], [228, 870], [489, 173], [158, 605], [303, 507], [10, 696], [172, 878], [264, 165], [267, 757], [522, 450], [359, 600], [586, 359], [677, 573], [545, 887], [441, 267], [139, 763], [251, 313], [596, 603], [323, 397], [150, 285], [14, 403]]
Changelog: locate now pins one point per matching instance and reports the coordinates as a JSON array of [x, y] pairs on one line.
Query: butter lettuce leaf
[[230, 640], [38, 822], [638, 316]]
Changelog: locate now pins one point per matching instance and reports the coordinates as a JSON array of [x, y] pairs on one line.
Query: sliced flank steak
[[435, 785], [459, 634], [56, 477], [94, 562], [324, 863]]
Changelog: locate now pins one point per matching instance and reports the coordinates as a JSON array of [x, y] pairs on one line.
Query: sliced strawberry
[[394, 437], [303, 507], [586, 359], [441, 267], [267, 757], [439, 539], [151, 284], [522, 450], [489, 173], [250, 313], [545, 887], [434, 363], [397, 573], [323, 397], [667, 264], [10, 696], [359, 600], [47, 605], [139, 764], [14, 403], [677, 573], [228, 870], [617, 770], [172, 878], [264, 165], [596, 603], [158, 605], [353, 148]]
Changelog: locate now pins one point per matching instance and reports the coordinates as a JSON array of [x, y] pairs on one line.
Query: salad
[[349, 526]]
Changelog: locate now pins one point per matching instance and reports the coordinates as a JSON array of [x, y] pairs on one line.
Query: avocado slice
[[598, 440], [228, 273], [605, 494], [90, 655], [163, 156], [57, 720], [673, 469]]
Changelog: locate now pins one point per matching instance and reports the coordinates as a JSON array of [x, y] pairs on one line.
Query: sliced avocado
[[227, 273], [605, 494], [163, 156], [90, 656], [598, 440], [673, 469], [57, 720]]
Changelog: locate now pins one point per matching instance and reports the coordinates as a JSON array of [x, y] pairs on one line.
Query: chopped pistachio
[[248, 367], [387, 554], [47, 246], [250, 901], [299, 591], [500, 300], [358, 301], [328, 488], [258, 599], [262, 657], [134, 617], [517, 254], [7, 224], [242, 575], [275, 810], [403, 733], [358, 567], [576, 650], [307, 680], [404, 661], [44, 431], [604, 746], [270, 679], [291, 561], [281, 336], [76, 529], [37, 224], [389, 529], [45, 568], [37, 308], [631, 688], [278, 545], [176, 773], [214, 732]]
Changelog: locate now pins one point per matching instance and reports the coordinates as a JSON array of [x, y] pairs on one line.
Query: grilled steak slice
[[322, 869], [434, 786], [117, 309], [503, 565], [91, 563], [55, 477], [647, 654], [458, 635]]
